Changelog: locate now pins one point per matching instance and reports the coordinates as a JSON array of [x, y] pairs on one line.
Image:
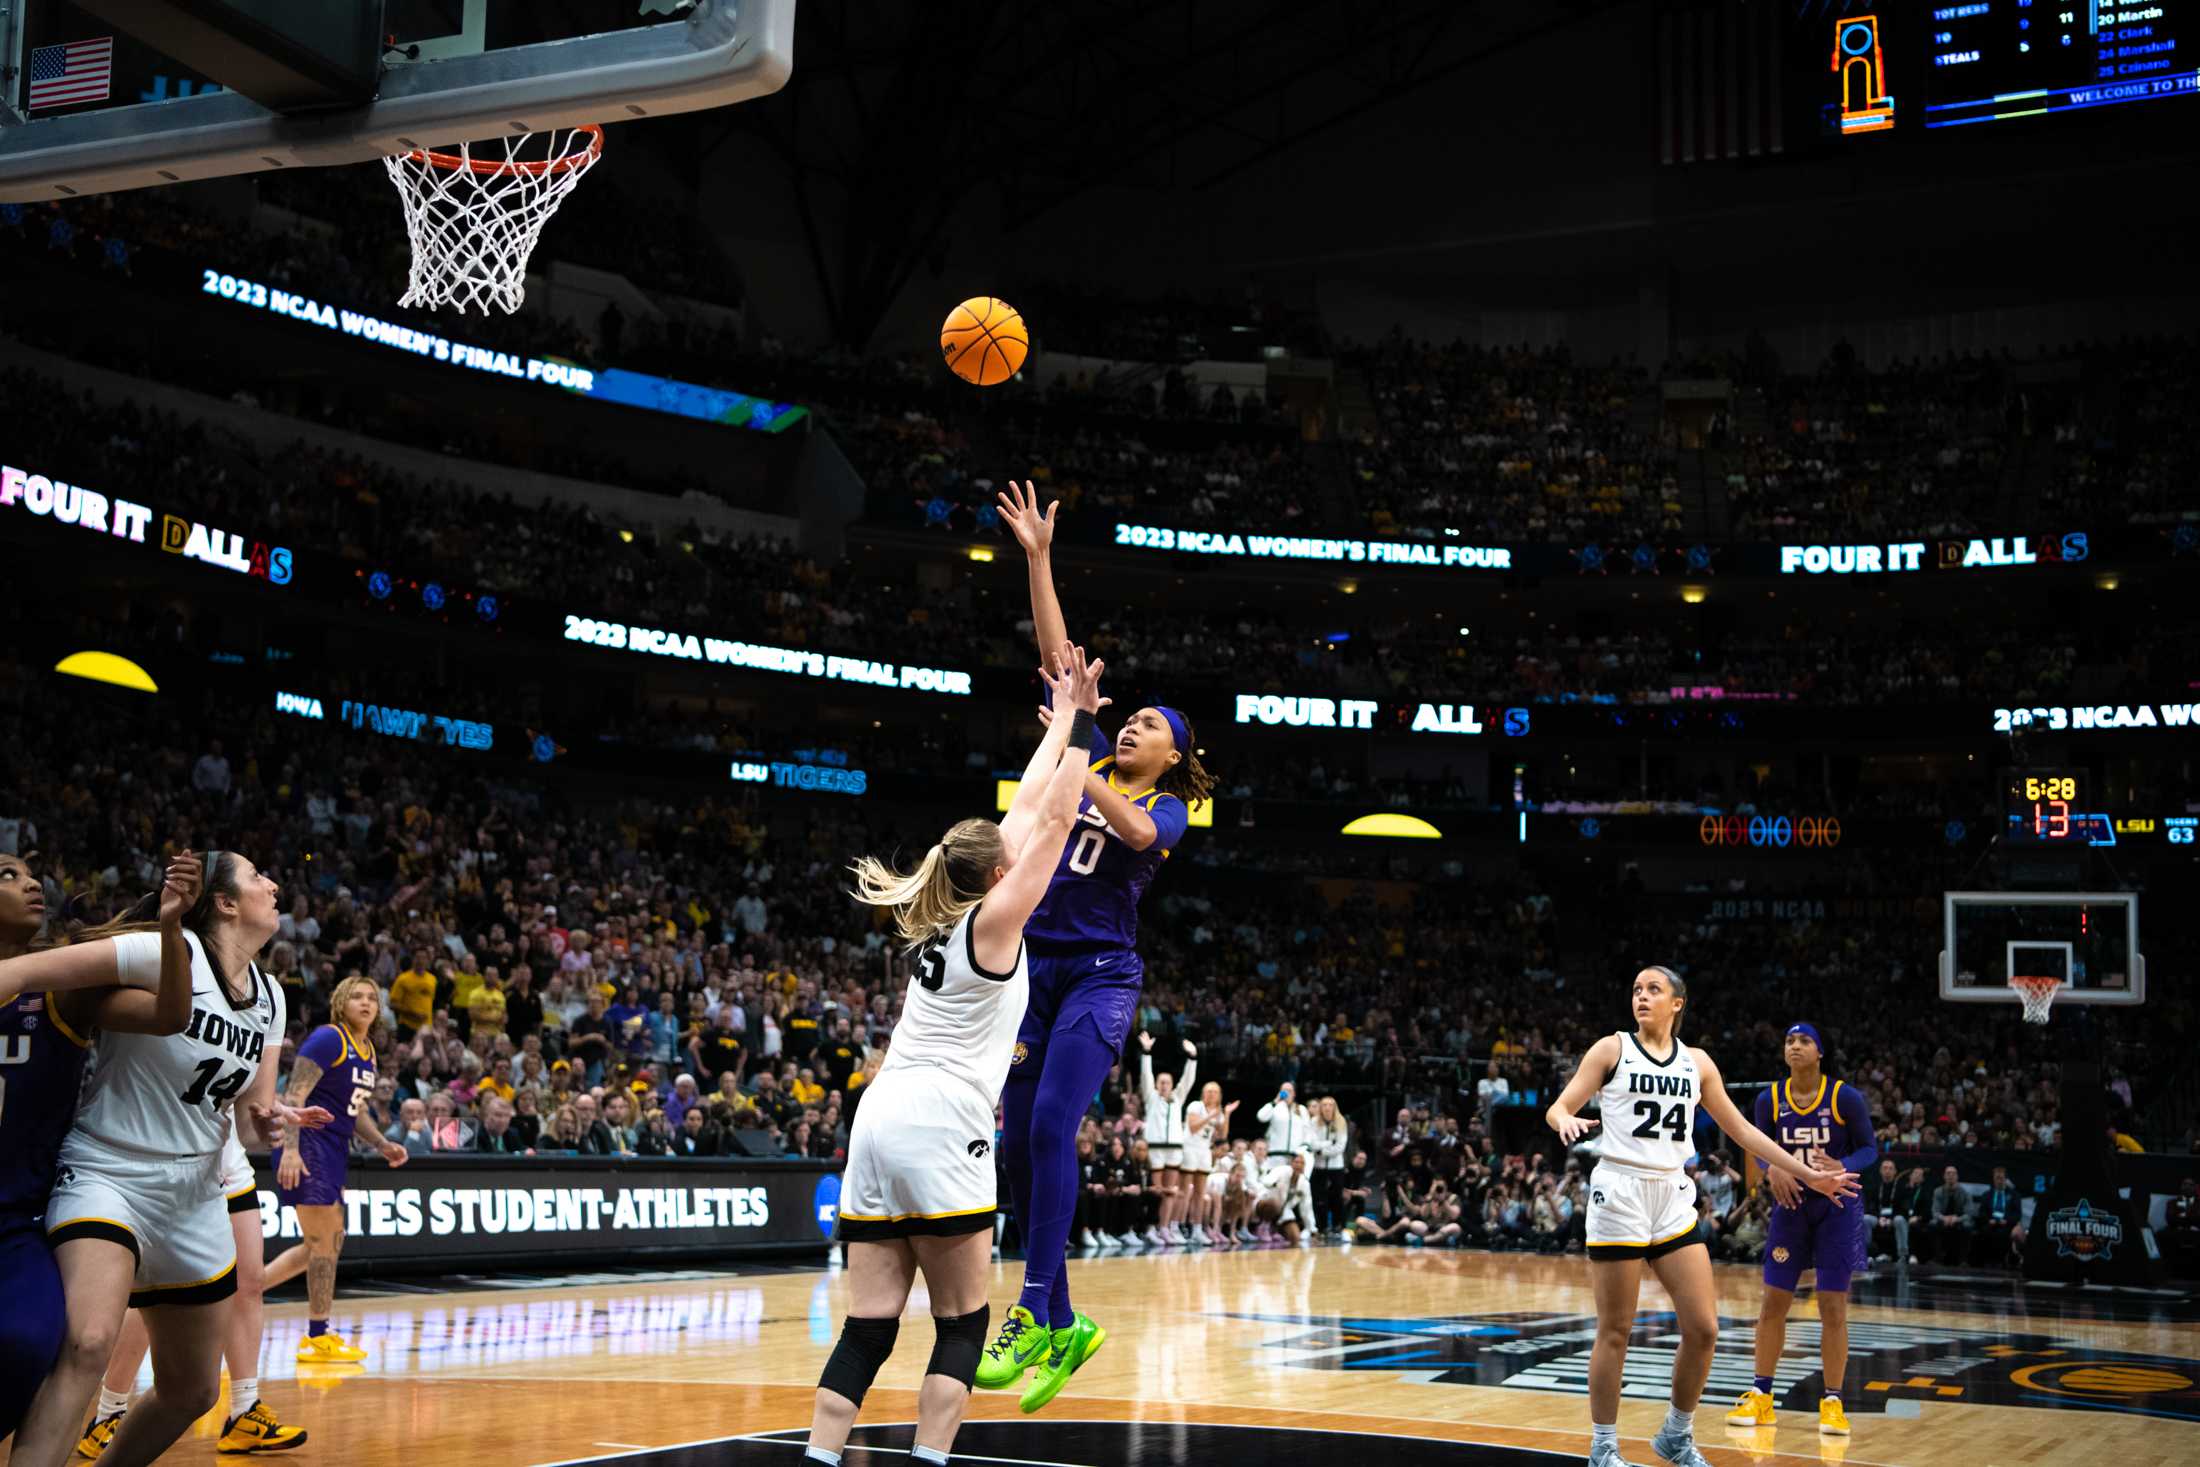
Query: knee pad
[[960, 1341], [863, 1348]]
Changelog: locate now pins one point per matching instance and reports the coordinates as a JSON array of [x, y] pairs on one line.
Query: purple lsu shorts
[[1097, 986], [1816, 1235], [327, 1158]]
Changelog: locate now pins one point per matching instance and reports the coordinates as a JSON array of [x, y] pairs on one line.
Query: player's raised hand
[[179, 889], [1019, 507], [1189, 1051], [1083, 678], [1573, 1128], [1145, 1041]]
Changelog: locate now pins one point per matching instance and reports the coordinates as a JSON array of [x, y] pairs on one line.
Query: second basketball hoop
[[474, 214]]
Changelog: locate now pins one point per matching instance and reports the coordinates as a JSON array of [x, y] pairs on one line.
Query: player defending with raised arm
[[1642, 1205], [1813, 1119], [919, 1194], [1085, 979]]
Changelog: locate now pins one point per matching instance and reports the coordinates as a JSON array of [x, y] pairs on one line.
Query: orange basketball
[[984, 341]]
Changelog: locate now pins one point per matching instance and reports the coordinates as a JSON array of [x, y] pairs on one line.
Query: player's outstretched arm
[[1034, 531], [1024, 809], [998, 929], [1834, 1183], [156, 994], [1589, 1076]]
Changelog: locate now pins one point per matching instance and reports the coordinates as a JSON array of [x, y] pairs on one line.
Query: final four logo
[[2082, 1233]]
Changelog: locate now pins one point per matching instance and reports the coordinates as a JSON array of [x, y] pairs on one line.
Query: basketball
[[983, 340]]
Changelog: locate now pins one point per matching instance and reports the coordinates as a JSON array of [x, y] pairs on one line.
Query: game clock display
[[2046, 806]]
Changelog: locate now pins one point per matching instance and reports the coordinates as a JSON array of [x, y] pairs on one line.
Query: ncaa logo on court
[[825, 1202]]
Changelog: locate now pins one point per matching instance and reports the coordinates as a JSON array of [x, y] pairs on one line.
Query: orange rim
[[451, 162]]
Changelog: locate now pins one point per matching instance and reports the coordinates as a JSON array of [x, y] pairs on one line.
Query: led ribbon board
[[615, 384], [759, 657]]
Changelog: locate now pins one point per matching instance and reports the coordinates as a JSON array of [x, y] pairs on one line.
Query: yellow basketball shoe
[[97, 1435], [1832, 1420], [1021, 1344], [1753, 1408], [257, 1430], [328, 1350]]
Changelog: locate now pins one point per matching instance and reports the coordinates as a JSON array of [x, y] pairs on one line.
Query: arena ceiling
[[899, 110]]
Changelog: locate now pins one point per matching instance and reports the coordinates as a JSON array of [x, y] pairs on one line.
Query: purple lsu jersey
[[1816, 1234], [347, 1077], [41, 1072], [1093, 901]]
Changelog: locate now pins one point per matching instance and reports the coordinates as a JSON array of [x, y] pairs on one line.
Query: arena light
[[1694, 595], [1404, 827], [982, 554], [106, 667], [1202, 816]]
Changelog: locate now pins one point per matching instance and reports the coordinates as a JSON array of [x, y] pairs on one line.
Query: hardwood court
[[1274, 1356]]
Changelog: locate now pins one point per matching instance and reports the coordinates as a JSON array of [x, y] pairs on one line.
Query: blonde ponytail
[[950, 880]]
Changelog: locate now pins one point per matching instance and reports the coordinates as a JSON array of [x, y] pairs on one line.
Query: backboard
[[94, 97], [2087, 940]]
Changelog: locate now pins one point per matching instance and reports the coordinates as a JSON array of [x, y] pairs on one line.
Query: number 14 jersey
[[169, 1094], [1648, 1107]]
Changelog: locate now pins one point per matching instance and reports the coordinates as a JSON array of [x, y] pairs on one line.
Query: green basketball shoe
[[1021, 1344], [1069, 1349]]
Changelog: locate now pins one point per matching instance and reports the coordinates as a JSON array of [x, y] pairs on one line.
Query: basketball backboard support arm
[[723, 52]]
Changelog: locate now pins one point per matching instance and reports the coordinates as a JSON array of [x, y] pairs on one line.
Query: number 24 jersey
[[1648, 1107]]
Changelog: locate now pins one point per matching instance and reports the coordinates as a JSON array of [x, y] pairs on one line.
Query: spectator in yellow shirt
[[805, 1089], [488, 1009], [412, 995]]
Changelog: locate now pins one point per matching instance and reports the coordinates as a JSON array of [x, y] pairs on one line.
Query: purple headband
[[1809, 1031], [1178, 728]]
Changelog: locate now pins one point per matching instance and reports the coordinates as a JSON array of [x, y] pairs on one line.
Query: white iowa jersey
[[169, 1095], [1648, 1109], [958, 1017]]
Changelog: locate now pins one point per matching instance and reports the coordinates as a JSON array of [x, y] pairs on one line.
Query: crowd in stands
[[1509, 445], [689, 980], [363, 512], [1506, 444]]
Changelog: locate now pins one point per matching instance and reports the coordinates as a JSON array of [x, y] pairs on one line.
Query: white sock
[[819, 1454], [112, 1402], [1601, 1436], [1679, 1421], [928, 1454], [243, 1394]]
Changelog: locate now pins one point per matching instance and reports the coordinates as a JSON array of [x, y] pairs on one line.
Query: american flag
[[77, 71]]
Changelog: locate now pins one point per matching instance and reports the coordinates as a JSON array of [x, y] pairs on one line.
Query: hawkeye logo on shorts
[[1896, 1362], [1022, 1053], [979, 1148]]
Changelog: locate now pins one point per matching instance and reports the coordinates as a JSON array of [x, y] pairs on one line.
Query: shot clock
[[2046, 806]]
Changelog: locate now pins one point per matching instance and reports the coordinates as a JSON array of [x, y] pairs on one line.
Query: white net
[[474, 214], [2038, 995]]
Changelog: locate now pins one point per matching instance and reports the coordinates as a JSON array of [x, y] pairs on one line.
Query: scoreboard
[[1996, 60], [2045, 807], [1918, 66]]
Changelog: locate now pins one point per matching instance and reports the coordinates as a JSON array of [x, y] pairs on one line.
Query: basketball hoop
[[474, 215], [2038, 995]]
